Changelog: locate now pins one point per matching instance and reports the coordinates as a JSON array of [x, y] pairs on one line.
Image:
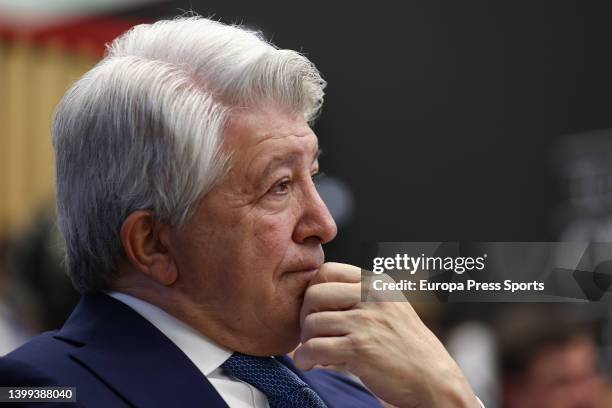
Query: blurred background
[[443, 121]]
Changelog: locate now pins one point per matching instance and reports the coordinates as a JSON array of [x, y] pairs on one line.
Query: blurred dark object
[[38, 270], [13, 330], [549, 357], [584, 164]]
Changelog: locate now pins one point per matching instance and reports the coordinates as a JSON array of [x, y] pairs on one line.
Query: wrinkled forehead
[[268, 131]]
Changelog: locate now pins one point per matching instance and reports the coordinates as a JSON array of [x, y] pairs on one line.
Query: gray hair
[[143, 129]]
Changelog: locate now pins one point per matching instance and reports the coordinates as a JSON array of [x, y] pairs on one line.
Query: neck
[[206, 319]]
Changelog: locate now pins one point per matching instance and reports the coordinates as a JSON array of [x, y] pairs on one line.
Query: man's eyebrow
[[278, 161], [286, 161]]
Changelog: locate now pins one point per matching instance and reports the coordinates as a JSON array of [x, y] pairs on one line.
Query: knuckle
[[357, 341], [362, 347], [312, 347], [310, 321], [326, 271], [311, 295], [365, 317]]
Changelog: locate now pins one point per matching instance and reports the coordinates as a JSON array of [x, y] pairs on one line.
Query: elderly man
[[193, 228]]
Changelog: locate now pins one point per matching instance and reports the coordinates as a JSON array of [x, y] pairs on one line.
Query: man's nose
[[316, 220]]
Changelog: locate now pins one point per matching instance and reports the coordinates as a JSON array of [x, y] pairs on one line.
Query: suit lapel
[[133, 358]]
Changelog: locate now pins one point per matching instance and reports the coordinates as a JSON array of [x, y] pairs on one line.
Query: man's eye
[[281, 187]]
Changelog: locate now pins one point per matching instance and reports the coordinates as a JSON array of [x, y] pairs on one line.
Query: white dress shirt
[[203, 353]]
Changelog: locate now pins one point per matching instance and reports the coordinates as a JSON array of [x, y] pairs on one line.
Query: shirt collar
[[203, 352]]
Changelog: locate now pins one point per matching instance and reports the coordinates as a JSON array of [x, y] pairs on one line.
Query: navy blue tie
[[282, 386]]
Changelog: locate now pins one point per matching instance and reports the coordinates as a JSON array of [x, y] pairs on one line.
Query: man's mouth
[[311, 268], [306, 274]]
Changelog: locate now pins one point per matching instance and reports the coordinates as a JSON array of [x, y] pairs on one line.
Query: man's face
[[254, 243]]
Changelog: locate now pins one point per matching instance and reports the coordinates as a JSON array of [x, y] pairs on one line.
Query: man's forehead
[[262, 167], [253, 126], [289, 159], [268, 163], [297, 137]]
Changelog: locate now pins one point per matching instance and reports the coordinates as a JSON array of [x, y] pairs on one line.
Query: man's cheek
[[273, 237]]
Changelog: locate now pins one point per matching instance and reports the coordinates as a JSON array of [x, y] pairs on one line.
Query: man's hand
[[384, 343]]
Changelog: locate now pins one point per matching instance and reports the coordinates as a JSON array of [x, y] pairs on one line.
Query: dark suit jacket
[[116, 358]]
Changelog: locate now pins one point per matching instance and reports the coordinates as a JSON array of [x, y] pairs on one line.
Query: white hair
[[143, 129]]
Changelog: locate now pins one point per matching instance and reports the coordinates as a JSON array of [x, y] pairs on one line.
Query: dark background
[[441, 116]]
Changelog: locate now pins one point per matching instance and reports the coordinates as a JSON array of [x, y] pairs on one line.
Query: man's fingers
[[322, 351], [326, 324], [327, 302], [330, 296], [337, 272]]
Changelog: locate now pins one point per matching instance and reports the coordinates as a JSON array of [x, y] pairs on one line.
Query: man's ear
[[144, 242]]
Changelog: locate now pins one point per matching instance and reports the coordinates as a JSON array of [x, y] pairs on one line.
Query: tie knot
[[281, 385]]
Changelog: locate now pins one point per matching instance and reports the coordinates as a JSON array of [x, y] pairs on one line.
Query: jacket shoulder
[[17, 373], [26, 367], [36, 363], [341, 390]]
